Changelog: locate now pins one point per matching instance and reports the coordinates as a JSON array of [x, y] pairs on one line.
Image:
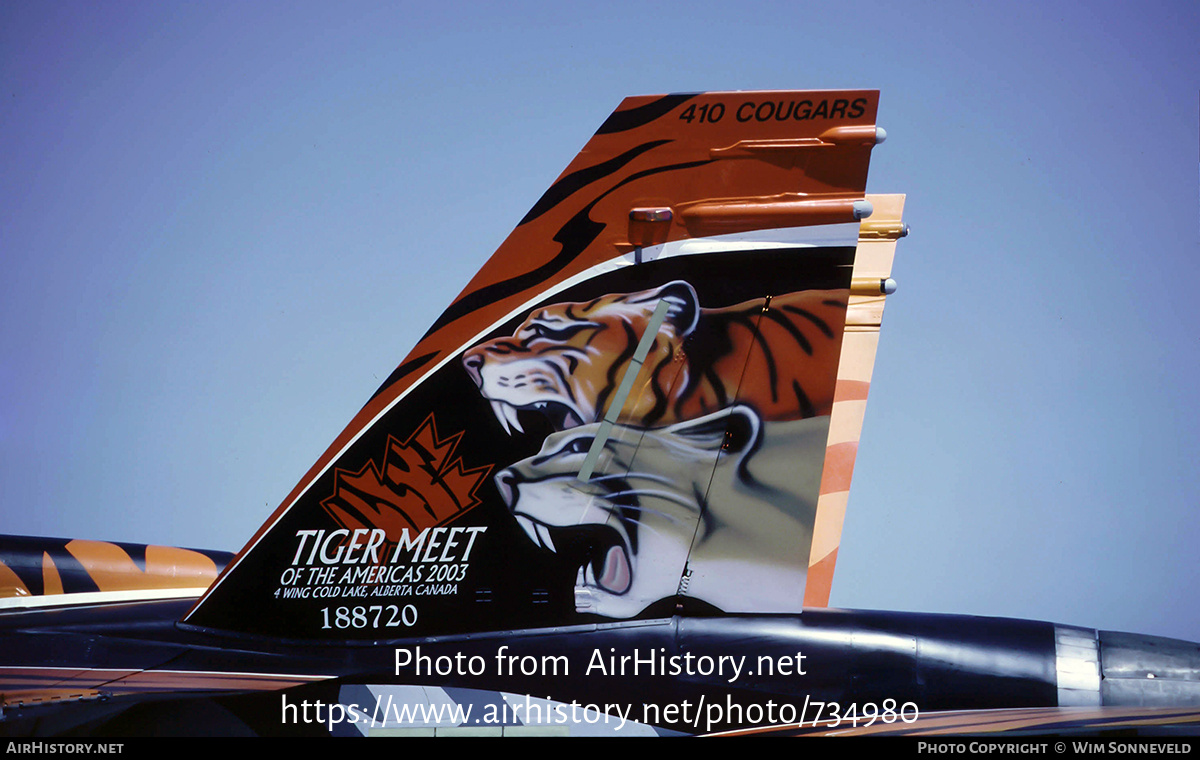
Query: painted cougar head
[[738, 494]]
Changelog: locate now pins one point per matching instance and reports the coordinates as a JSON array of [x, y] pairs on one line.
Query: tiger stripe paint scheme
[[747, 219], [709, 513], [53, 571]]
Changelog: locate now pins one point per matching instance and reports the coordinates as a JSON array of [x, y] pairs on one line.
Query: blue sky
[[224, 224]]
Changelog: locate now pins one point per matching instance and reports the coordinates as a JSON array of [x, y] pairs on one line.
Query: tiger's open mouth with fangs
[[565, 359], [517, 385], [561, 415]]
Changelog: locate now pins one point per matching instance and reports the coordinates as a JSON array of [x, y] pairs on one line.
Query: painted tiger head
[[739, 493], [778, 355], [566, 359]]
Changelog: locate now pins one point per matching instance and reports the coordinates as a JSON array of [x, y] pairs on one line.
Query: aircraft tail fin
[[626, 411]]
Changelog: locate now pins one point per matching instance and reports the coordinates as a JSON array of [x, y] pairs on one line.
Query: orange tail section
[[644, 403]]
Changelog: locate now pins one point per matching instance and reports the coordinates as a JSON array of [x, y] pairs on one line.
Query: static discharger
[[872, 286]]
